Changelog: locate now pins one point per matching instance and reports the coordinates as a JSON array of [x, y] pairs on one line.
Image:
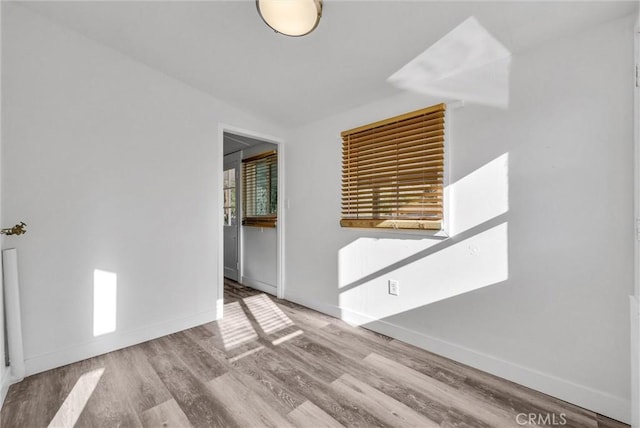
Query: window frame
[[252, 219], [407, 226], [233, 203]]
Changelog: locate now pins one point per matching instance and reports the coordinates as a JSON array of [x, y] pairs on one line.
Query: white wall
[[113, 166], [259, 244], [534, 283], [259, 255]]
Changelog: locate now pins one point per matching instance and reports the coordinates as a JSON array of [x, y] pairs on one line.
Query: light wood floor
[[273, 363]]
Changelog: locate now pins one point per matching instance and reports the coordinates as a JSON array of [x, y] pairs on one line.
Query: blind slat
[[392, 165], [384, 178], [406, 133], [406, 139], [415, 149]]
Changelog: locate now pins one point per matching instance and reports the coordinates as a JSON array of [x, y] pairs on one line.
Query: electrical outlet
[[394, 287]]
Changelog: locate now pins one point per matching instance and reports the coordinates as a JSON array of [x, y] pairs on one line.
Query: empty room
[[320, 213]]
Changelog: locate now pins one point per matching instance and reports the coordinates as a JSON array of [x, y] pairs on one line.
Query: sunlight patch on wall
[[480, 195], [466, 64], [470, 264], [68, 414], [366, 256], [105, 285]]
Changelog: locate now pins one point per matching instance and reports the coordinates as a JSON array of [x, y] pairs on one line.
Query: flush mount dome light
[[290, 17]]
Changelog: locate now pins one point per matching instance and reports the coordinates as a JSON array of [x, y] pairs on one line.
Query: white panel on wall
[[14, 313]]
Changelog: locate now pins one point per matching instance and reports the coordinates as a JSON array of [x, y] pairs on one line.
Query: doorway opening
[[252, 223]]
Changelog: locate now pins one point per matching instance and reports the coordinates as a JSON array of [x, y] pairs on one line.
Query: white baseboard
[[231, 273], [325, 308], [259, 285], [601, 402], [112, 342]]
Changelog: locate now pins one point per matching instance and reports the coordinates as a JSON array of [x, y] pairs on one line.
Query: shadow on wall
[[476, 254]]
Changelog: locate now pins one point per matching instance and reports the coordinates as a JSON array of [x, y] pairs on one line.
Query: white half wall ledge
[[14, 317], [583, 396], [4, 386], [634, 306], [113, 342]]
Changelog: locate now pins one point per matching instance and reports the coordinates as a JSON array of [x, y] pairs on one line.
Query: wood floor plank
[[35, 400], [235, 328], [200, 332], [493, 390], [202, 409], [70, 410], [139, 382], [335, 364], [269, 316], [299, 381], [204, 365], [308, 414], [108, 404], [267, 383], [385, 408], [166, 415], [444, 393], [235, 396], [353, 348], [328, 365], [304, 318], [527, 402], [281, 400]]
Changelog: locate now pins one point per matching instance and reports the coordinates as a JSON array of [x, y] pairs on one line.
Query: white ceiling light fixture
[[290, 17]]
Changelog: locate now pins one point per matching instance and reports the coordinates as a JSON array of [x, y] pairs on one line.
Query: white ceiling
[[224, 49]]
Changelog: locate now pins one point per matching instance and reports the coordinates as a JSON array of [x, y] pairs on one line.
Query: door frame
[[237, 162], [280, 229]]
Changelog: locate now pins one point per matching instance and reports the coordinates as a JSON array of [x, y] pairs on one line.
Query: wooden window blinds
[[393, 172], [260, 190]]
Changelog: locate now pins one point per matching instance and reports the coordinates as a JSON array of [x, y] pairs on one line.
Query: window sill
[[435, 229], [260, 222], [393, 224]]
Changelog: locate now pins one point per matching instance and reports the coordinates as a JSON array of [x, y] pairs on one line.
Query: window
[[260, 190], [393, 172], [230, 197]]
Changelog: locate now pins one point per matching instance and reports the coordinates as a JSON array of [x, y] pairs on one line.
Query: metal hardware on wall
[[18, 229]]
